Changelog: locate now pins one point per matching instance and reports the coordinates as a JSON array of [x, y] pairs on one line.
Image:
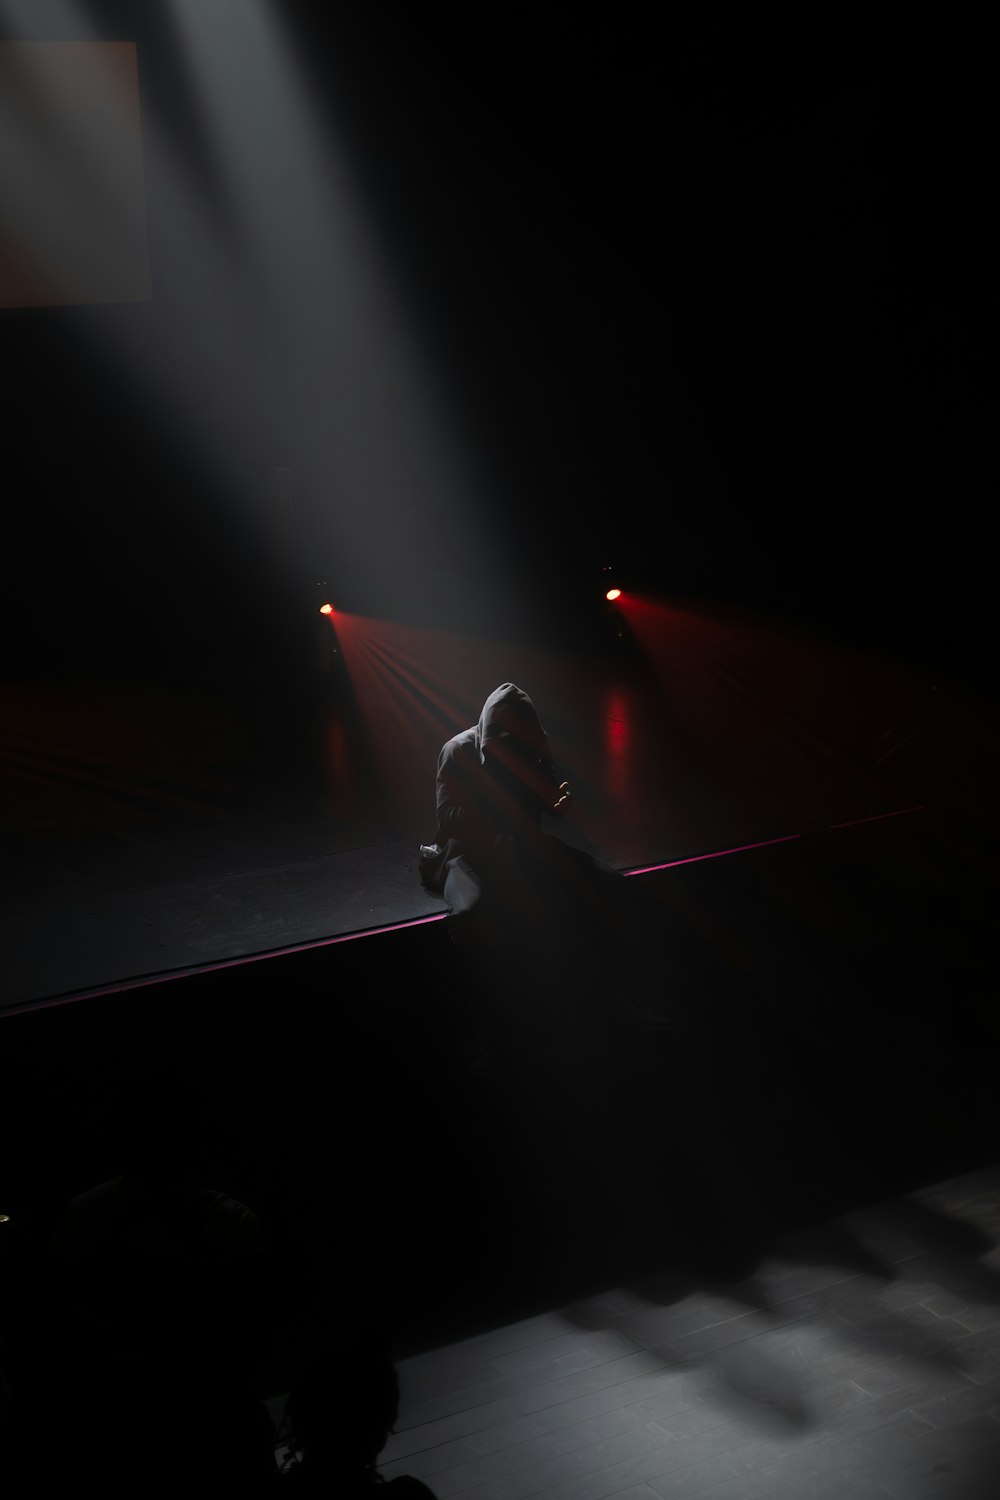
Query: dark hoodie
[[494, 783]]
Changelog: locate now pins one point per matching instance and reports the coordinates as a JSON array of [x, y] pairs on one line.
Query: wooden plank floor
[[859, 1361]]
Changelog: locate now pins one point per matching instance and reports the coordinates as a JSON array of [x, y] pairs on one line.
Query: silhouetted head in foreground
[[342, 1409]]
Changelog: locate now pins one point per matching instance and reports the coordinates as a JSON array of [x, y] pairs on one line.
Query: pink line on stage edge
[[143, 980], [693, 859], [878, 817]]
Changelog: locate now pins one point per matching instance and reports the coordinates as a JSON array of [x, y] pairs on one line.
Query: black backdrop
[[714, 298]]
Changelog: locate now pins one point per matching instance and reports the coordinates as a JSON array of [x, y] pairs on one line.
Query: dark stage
[[155, 829], [451, 325]]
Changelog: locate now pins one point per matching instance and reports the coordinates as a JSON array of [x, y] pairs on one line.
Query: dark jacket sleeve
[[450, 800], [462, 817], [476, 809]]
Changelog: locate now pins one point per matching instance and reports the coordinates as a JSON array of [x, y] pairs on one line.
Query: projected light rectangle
[[72, 194]]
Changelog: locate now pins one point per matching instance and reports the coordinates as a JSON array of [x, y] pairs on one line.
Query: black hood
[[509, 713]]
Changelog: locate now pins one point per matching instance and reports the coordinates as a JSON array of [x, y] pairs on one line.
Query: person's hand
[[563, 802]]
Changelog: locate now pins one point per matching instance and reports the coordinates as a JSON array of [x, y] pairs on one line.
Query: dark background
[[714, 303], [712, 300]]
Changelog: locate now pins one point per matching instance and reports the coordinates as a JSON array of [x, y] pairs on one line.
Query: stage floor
[[860, 1358], [152, 829]]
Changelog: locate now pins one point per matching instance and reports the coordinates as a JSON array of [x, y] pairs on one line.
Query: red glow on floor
[[616, 724], [617, 746]]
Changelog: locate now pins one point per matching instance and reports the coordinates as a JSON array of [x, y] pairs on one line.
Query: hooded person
[[495, 783], [516, 890]]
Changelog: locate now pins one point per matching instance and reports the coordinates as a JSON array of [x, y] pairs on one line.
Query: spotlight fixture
[[609, 578], [611, 592], [326, 609]]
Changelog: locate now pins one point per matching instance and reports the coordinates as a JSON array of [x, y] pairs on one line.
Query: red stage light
[[613, 594], [326, 609]]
